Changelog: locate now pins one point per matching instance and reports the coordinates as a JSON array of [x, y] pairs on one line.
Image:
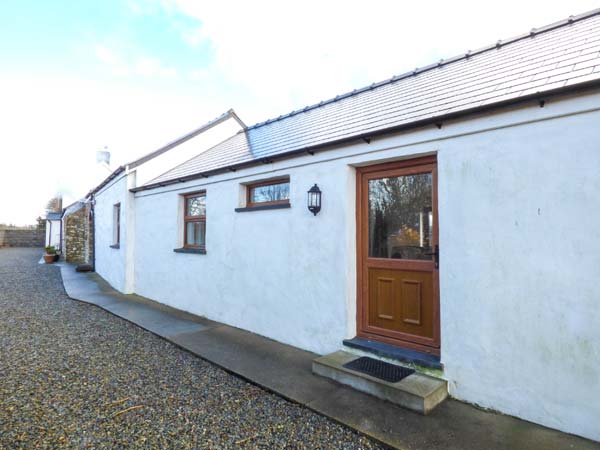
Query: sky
[[130, 75]]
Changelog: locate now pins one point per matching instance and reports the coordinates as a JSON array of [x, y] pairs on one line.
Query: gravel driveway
[[75, 376]]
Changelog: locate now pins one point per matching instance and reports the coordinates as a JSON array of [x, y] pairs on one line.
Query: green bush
[[51, 250]]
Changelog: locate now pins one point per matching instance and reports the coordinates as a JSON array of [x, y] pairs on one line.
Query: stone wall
[[22, 238], [78, 239]]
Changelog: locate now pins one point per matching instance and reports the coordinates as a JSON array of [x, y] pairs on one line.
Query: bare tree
[[54, 205], [398, 214]]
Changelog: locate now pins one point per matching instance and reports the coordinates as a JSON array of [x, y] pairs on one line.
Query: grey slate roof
[[54, 216], [547, 60]]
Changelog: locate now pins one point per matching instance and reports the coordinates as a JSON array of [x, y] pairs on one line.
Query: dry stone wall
[[78, 239], [22, 238]]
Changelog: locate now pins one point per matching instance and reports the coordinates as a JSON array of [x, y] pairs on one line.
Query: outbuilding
[[54, 230]]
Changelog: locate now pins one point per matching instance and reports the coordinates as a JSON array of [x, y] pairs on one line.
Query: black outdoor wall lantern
[[314, 199]]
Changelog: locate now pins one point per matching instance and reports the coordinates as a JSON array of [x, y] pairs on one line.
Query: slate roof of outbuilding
[[547, 60], [54, 216]]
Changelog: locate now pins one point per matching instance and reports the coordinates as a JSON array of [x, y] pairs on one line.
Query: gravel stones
[[75, 376]]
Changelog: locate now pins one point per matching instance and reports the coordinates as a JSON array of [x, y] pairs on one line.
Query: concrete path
[[286, 371]]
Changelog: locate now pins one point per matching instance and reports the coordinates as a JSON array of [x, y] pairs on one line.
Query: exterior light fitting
[[314, 199]]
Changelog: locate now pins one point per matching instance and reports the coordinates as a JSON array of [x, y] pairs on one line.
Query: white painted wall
[[117, 265], [111, 263], [53, 233], [520, 252], [520, 307], [265, 271]]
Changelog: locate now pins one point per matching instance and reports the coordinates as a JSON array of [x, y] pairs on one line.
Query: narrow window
[[194, 221], [272, 192], [117, 224]]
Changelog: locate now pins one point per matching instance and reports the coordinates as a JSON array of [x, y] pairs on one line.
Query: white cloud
[[290, 54], [54, 126], [151, 67], [106, 55], [129, 64], [146, 7], [269, 57]]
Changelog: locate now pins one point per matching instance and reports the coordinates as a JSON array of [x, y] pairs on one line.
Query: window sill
[[263, 207], [198, 251], [115, 246]]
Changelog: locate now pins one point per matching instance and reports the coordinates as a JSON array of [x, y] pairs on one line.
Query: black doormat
[[379, 369]]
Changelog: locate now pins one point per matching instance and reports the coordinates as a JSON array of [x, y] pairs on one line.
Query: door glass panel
[[401, 217]]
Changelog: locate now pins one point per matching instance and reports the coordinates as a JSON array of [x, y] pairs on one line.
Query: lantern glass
[[314, 199]]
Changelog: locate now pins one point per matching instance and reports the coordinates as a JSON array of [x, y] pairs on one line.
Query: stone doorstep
[[418, 392], [396, 355]]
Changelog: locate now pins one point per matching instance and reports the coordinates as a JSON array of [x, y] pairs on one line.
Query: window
[[401, 217], [194, 221], [273, 192], [116, 225]]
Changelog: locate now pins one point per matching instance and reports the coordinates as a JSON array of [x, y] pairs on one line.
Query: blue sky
[[59, 34], [65, 37], [76, 76]]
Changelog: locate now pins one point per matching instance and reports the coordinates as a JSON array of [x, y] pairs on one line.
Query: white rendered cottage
[[114, 212], [458, 221]]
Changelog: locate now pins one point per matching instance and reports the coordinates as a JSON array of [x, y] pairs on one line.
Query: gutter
[[366, 137]]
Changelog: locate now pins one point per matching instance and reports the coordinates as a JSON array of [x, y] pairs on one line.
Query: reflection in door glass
[[401, 217]]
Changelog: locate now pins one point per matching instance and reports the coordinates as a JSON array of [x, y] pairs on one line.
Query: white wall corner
[[129, 287]]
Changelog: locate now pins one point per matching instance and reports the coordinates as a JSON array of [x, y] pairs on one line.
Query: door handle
[[436, 255]]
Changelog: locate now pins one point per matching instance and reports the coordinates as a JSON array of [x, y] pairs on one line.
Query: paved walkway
[[286, 371], [73, 376]]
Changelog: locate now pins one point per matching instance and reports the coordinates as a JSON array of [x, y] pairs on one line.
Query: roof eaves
[[444, 62], [537, 96], [73, 207], [70, 205], [107, 180]]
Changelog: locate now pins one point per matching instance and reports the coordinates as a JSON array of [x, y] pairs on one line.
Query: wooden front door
[[397, 224]]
